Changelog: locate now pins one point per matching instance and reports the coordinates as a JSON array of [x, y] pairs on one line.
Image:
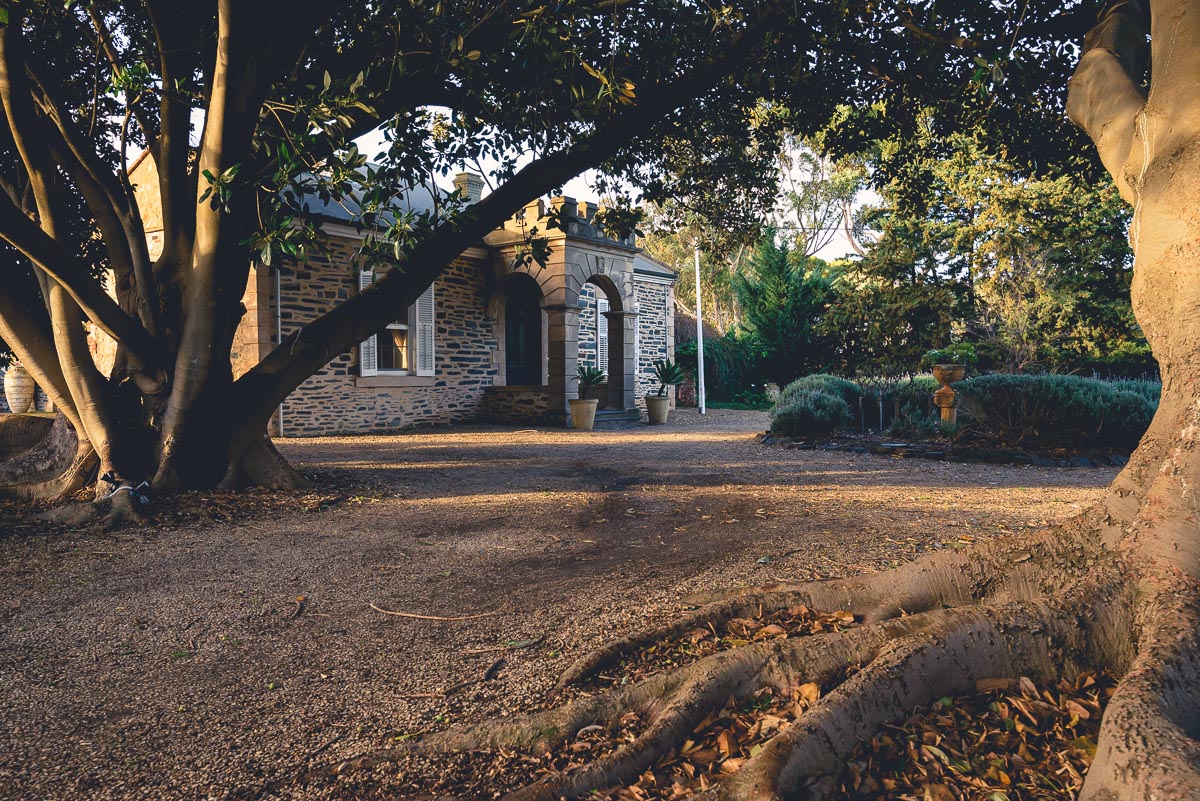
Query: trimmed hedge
[[1047, 411], [1150, 390], [809, 412], [847, 390]]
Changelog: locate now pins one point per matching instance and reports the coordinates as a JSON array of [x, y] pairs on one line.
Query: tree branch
[[36, 245], [25, 327], [39, 241], [104, 39], [179, 29], [261, 389], [108, 197], [1105, 97]]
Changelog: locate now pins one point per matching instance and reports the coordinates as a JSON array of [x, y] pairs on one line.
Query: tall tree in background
[[889, 308], [672, 232], [783, 296], [805, 197], [1038, 258], [817, 195]]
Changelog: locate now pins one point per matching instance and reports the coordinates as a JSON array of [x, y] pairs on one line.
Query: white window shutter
[[424, 308], [368, 360], [602, 334], [637, 340]]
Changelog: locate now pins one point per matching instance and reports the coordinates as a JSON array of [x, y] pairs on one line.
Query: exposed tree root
[[1016, 568], [259, 464], [54, 469], [109, 512], [20, 432], [1111, 616], [942, 653], [907, 661]]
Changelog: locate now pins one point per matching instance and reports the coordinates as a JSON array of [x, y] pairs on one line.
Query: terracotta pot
[[583, 413], [947, 374], [656, 408], [18, 389]]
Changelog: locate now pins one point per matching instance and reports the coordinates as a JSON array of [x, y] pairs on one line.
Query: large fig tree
[[250, 112]]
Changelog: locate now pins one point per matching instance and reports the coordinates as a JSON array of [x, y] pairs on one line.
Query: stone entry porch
[[588, 305]]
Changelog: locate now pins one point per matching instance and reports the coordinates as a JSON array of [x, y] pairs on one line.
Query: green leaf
[[938, 754]]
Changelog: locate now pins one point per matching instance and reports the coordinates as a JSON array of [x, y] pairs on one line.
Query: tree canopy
[[250, 111]]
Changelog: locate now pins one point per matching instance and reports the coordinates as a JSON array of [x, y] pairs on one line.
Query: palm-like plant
[[589, 377], [668, 374]]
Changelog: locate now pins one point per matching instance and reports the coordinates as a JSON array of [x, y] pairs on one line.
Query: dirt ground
[[171, 663]]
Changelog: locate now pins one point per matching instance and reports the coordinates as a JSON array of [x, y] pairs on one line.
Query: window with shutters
[[406, 345], [601, 333]]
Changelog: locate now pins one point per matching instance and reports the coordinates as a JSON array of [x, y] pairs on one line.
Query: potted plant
[[18, 388], [583, 408], [668, 374]]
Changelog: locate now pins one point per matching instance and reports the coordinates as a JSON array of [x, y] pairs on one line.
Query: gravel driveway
[[176, 663]]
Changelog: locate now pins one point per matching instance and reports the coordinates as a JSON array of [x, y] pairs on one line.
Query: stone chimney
[[469, 185]]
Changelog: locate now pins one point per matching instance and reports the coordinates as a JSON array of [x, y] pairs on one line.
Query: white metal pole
[[699, 337]]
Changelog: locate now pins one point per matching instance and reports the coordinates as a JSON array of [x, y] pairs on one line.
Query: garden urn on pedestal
[[945, 398], [18, 389]]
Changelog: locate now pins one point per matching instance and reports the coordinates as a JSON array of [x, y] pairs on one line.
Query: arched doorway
[[602, 336], [523, 332]]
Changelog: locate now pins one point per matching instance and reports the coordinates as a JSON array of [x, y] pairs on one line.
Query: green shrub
[[914, 394], [959, 353], [1150, 390], [915, 426], [730, 365], [1127, 359], [1047, 411], [809, 412], [910, 406], [848, 391]]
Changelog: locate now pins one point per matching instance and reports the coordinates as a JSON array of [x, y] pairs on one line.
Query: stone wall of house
[[655, 340], [256, 334], [337, 401], [517, 405]]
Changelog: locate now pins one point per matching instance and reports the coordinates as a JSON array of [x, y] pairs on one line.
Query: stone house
[[490, 340]]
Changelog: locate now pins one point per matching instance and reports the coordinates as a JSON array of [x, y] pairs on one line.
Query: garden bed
[[944, 449]]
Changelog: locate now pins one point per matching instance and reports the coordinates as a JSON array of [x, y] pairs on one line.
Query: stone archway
[[602, 337]]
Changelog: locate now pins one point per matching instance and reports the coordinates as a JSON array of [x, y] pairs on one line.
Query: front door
[[522, 338]]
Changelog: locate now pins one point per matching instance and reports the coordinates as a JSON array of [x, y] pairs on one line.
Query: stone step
[[608, 419]]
